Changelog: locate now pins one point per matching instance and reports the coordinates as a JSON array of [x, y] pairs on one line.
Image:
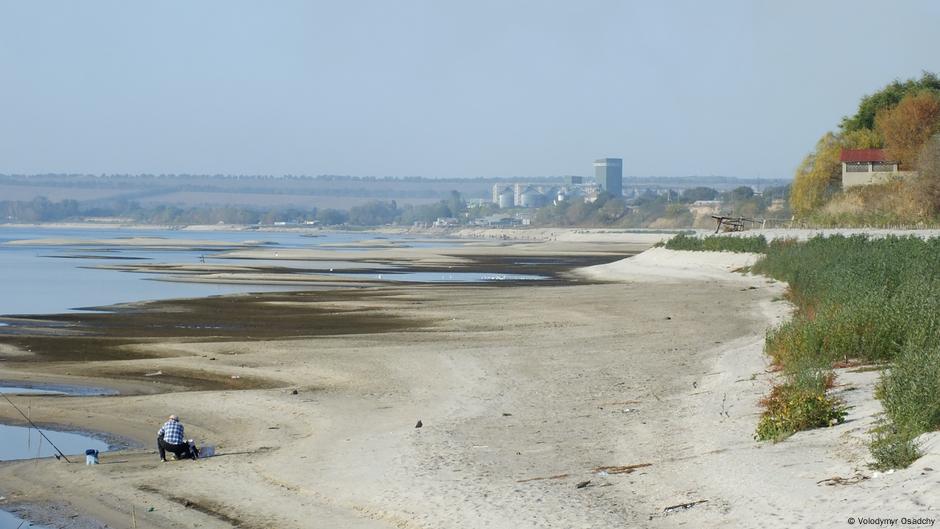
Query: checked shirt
[[171, 432]]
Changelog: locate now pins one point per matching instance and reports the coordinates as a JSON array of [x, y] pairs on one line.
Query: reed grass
[[874, 300]]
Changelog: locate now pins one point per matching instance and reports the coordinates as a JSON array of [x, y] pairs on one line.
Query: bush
[[717, 243], [891, 449], [793, 406]]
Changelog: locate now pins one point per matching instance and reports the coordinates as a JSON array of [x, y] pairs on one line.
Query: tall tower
[[609, 175]]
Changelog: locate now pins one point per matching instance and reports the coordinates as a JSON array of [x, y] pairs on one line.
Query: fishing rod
[[31, 423]]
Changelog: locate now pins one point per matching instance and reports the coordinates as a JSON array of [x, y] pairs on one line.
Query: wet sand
[[524, 391]]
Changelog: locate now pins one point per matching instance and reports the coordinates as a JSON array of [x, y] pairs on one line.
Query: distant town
[[334, 200]]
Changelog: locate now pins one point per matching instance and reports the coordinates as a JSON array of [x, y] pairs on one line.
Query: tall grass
[[717, 243], [876, 300]]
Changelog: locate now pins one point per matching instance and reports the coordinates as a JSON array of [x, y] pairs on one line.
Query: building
[[531, 198], [862, 167], [609, 175], [506, 198], [572, 180]]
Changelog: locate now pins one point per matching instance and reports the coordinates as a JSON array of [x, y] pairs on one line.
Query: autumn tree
[[817, 176], [907, 127], [886, 98], [820, 173]]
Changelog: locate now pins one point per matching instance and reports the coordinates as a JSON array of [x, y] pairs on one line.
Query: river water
[[9, 521], [42, 279]]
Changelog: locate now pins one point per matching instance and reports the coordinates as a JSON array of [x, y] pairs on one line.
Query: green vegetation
[[669, 210], [873, 300], [717, 243], [796, 405], [373, 213]]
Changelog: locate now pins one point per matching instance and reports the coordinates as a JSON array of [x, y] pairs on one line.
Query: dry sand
[[523, 392]]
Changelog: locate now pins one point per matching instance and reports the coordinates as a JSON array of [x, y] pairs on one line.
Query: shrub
[[793, 406], [891, 449], [717, 243]]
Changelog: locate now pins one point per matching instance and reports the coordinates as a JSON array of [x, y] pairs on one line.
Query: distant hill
[[324, 191]]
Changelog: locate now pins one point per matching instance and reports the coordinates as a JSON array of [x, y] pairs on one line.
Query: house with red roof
[[862, 167]]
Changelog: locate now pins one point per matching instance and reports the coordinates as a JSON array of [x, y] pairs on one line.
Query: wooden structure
[[735, 223]]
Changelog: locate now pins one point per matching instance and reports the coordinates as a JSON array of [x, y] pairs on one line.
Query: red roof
[[862, 155]]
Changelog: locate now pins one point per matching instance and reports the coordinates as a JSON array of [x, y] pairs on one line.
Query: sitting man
[[170, 437]]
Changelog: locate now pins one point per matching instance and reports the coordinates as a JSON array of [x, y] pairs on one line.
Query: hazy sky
[[442, 88]]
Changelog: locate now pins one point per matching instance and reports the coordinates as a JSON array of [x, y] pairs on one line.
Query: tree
[[374, 213], [331, 217], [699, 193], [887, 98], [817, 177], [611, 211], [742, 193], [908, 126], [820, 173], [455, 203]]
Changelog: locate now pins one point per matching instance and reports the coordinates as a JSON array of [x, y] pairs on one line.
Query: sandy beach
[[625, 396]]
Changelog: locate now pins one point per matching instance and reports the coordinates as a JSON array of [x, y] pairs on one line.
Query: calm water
[[9, 521], [20, 388], [17, 442], [49, 279], [20, 442]]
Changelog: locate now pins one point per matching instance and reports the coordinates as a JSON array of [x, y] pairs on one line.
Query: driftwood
[[626, 469], [559, 476], [839, 480], [683, 506]]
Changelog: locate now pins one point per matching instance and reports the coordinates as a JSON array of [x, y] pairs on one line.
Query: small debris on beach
[[419, 424], [154, 374], [293, 392], [507, 414], [625, 469], [839, 480], [557, 476], [583, 484], [682, 506]]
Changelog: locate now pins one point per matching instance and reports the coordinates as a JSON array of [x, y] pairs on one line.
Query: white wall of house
[[855, 179]]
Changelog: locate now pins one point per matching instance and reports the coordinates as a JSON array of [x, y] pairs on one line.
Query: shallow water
[[19, 388], [443, 277], [45, 279], [20, 442], [10, 521], [14, 390]]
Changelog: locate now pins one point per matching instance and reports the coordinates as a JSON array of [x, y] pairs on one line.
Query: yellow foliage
[[818, 175]]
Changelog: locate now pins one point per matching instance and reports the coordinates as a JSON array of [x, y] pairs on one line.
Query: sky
[[442, 88]]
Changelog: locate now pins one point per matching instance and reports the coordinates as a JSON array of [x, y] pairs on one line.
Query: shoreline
[[653, 360]]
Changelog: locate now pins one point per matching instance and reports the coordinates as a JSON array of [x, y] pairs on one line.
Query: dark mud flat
[[73, 343], [105, 336]]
